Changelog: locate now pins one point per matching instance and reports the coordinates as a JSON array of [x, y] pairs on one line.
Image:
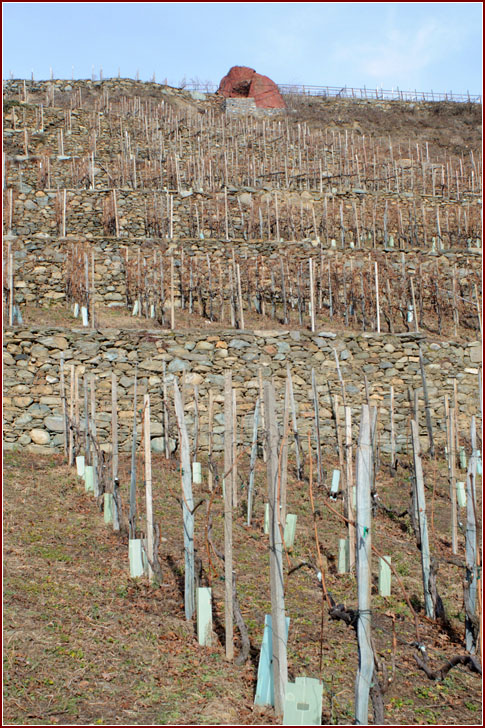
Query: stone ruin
[[242, 83]]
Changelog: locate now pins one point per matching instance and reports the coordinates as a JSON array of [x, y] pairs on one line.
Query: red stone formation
[[244, 82]]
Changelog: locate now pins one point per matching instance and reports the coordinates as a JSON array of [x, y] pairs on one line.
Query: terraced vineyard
[[150, 237]]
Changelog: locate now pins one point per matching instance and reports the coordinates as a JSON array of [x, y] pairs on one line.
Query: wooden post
[[349, 486], [228, 502], [378, 317], [393, 434], [226, 222], [63, 232], [132, 516], [64, 405], [187, 507], [280, 666], [471, 577], [339, 374], [317, 429], [364, 473], [114, 439], [87, 456], [239, 295], [148, 488], [263, 420], [234, 450], [415, 313], [338, 436], [71, 415], [452, 456], [277, 217], [196, 424], [456, 409], [299, 459], [172, 294], [427, 406], [210, 443], [284, 457], [456, 318], [115, 207], [283, 293], [93, 305], [93, 434], [10, 290], [312, 295], [165, 412], [252, 463], [171, 218], [479, 314], [422, 521]]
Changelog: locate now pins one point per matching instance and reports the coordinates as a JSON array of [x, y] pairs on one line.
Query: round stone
[[40, 437]]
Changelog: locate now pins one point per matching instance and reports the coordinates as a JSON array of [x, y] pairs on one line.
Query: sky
[[410, 46]]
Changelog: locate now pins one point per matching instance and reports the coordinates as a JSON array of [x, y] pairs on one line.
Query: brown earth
[[87, 645]]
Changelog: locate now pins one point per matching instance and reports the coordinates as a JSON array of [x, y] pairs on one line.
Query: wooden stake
[[115, 455], [187, 507], [393, 435], [132, 516], [10, 290], [228, 501], [210, 443], [93, 305], [422, 522], [71, 416], [299, 459], [64, 406], [263, 421], [148, 488], [364, 471], [165, 412], [349, 486], [427, 405], [312, 295], [93, 434], [172, 294], [280, 665], [472, 581], [416, 327], [378, 317], [252, 464], [452, 454], [479, 314], [239, 295], [284, 457], [317, 429], [234, 450]]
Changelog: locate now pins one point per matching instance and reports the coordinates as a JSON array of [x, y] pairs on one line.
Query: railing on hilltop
[[346, 92]]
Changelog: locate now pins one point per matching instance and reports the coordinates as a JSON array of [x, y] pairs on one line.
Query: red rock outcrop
[[244, 82]]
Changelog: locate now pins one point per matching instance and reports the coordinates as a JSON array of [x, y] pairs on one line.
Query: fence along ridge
[[350, 92], [346, 92]]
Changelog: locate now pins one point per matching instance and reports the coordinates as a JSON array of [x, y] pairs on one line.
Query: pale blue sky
[[420, 46]]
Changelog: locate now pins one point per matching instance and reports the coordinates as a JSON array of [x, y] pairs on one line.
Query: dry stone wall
[[33, 409], [40, 261]]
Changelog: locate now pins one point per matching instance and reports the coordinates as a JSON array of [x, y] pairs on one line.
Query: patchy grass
[[61, 316], [86, 644]]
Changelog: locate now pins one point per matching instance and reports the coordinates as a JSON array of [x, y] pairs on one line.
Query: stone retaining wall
[[32, 403], [40, 262], [35, 214]]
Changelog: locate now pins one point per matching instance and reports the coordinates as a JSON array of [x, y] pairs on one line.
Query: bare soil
[[121, 318], [85, 644]]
